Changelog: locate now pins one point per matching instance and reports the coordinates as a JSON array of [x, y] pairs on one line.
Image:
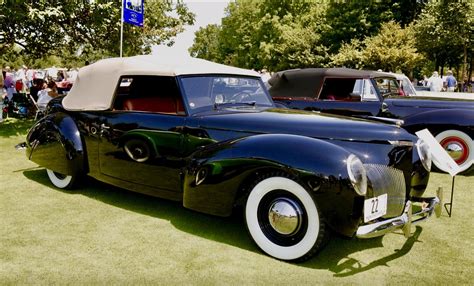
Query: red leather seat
[[151, 104]]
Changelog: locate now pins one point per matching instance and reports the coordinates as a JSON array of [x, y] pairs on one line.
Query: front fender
[[218, 173], [54, 142]]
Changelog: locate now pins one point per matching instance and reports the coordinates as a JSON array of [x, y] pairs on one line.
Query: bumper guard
[[404, 222]]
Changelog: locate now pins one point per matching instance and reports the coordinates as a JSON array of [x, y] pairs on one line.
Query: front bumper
[[404, 222]]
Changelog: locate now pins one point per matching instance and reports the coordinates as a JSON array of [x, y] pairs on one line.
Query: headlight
[[357, 174], [424, 153]]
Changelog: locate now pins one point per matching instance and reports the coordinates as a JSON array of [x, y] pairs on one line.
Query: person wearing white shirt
[[435, 83]]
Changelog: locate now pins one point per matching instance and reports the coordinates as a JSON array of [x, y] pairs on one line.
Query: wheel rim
[[285, 216], [456, 148], [282, 218]]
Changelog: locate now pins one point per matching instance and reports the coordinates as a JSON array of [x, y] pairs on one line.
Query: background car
[[370, 94], [209, 135]]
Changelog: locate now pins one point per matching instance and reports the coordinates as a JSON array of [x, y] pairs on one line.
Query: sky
[[206, 12]]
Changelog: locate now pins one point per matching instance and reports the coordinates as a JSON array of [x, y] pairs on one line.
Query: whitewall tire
[[59, 180], [459, 146], [283, 219]]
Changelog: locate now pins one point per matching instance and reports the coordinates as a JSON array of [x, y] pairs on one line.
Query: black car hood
[[311, 124], [432, 102]]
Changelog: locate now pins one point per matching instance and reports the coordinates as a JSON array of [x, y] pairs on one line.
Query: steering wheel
[[241, 96]]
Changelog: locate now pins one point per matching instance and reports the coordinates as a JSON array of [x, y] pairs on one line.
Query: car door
[[142, 137]]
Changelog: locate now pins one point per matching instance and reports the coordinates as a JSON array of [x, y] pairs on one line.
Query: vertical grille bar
[[390, 181]]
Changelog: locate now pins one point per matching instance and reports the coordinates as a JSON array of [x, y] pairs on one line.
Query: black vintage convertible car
[[210, 136], [376, 94]]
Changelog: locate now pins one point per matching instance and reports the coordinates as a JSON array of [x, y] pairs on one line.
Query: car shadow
[[231, 230]]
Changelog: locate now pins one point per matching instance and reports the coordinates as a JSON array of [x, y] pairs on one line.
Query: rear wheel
[[283, 219], [61, 181], [459, 146]]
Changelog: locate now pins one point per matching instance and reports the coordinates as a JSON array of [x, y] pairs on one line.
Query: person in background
[[9, 83], [451, 81], [2, 94], [435, 83], [30, 76], [45, 95]]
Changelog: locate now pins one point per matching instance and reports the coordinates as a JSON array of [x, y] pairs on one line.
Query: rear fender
[[55, 143], [440, 120], [218, 174]]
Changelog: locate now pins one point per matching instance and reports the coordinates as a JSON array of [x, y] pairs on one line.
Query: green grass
[[102, 234]]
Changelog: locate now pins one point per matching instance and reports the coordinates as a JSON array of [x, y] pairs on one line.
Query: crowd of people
[[445, 83], [41, 84]]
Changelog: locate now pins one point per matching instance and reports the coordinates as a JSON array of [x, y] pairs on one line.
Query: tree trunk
[[464, 64]]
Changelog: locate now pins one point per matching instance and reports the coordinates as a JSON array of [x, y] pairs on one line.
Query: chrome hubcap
[[285, 216], [455, 150]]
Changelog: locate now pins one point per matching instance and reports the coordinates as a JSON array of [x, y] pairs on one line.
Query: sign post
[[132, 13]]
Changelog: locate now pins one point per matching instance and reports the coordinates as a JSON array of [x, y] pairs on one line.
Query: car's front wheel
[[283, 219], [459, 146], [61, 181]]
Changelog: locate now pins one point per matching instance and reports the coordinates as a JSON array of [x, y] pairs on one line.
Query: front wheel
[[283, 219], [61, 181], [459, 146]]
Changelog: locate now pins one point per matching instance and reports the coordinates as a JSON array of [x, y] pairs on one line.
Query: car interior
[[157, 94]]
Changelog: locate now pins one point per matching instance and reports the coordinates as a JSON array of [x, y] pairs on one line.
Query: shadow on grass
[[232, 231], [11, 127]]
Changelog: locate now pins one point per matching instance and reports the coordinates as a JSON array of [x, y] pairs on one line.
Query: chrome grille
[[390, 181]]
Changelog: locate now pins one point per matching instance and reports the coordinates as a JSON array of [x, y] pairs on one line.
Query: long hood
[[433, 102], [316, 125]]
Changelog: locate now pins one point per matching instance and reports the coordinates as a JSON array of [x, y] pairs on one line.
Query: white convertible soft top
[[95, 84]]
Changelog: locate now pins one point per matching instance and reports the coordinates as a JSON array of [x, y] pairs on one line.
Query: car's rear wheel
[[459, 146], [61, 181], [284, 220]]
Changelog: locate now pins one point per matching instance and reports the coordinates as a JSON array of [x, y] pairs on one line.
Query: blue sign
[[133, 12]]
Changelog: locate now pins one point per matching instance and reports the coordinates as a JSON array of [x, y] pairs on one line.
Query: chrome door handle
[[103, 126]]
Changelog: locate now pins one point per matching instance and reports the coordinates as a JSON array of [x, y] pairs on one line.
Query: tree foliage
[[91, 28], [393, 49], [267, 34], [445, 32]]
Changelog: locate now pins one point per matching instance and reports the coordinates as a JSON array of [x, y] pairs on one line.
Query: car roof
[[306, 82], [95, 84]]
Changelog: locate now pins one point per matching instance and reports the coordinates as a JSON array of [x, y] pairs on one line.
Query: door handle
[[103, 126], [384, 107]]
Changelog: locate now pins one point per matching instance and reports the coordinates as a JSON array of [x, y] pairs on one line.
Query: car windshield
[[387, 86], [204, 93]]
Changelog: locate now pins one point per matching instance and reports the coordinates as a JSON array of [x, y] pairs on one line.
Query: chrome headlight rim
[[357, 174], [424, 154]]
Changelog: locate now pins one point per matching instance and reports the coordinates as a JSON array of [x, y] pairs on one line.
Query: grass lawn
[[102, 234]]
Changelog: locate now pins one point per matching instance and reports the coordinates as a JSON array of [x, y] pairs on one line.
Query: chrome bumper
[[404, 221]]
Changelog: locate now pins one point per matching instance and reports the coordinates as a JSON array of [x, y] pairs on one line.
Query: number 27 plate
[[375, 207]]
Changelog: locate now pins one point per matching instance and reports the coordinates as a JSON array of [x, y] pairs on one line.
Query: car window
[[387, 86], [342, 89], [159, 94], [366, 89], [208, 92]]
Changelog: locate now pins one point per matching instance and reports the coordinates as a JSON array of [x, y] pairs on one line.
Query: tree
[[89, 27], [353, 20], [269, 34], [206, 43], [445, 33], [393, 49]]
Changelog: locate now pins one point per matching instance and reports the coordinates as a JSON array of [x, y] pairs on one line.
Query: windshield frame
[[392, 92], [212, 107]]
